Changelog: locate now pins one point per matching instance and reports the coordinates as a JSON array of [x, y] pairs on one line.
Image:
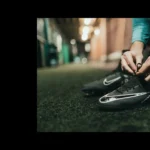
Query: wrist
[[137, 46]]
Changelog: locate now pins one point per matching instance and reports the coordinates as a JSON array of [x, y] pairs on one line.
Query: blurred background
[[81, 40]]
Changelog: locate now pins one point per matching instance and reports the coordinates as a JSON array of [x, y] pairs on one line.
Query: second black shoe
[[106, 84], [135, 91]]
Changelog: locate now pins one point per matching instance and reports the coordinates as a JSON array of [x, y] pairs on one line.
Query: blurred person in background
[[132, 61]]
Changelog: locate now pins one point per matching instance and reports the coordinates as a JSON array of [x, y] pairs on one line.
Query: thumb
[[139, 62]]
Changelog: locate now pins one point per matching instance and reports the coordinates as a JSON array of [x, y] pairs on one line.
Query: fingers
[[145, 67], [139, 62], [129, 59], [125, 65], [139, 65], [147, 78]]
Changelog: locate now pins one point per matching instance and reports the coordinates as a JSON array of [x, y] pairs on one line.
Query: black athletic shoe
[[134, 91], [107, 84]]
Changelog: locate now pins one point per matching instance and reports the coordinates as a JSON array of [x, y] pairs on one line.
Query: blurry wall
[[99, 43], [48, 32], [115, 35], [128, 33], [95, 48], [103, 39]]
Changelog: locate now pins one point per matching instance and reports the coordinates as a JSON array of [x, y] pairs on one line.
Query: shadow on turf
[[129, 128]]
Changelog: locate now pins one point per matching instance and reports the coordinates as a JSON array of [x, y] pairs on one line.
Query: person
[[132, 60], [136, 90], [126, 87]]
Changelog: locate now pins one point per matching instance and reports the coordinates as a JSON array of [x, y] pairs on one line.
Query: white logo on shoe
[[105, 82], [120, 97]]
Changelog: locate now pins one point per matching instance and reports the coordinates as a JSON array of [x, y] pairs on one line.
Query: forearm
[[140, 33], [140, 30]]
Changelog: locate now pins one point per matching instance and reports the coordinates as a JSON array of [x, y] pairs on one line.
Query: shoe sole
[[126, 106]]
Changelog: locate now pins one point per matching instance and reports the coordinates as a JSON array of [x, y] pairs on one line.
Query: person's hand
[[132, 59], [145, 69]]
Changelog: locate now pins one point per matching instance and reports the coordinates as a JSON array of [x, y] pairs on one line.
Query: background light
[[59, 43], [84, 60], [84, 37], [73, 41], [74, 49], [87, 21], [87, 47], [86, 30], [77, 59], [97, 31]]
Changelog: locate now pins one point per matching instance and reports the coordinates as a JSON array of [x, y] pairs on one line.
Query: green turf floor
[[61, 106]]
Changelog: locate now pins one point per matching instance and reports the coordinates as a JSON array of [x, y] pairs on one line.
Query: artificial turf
[[61, 106]]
